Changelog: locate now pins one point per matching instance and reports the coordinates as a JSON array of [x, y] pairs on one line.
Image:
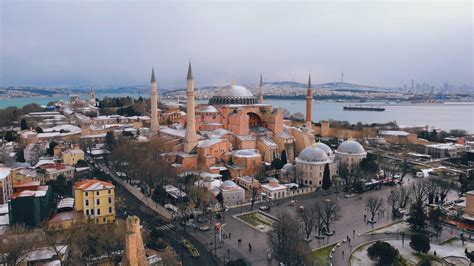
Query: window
[[98, 211], [105, 219], [92, 211], [110, 191], [98, 201], [110, 200], [87, 194], [97, 193], [110, 209], [87, 202], [87, 212]]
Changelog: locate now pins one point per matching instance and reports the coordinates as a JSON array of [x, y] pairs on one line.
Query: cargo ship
[[363, 108]]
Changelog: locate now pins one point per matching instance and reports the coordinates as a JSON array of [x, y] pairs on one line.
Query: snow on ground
[[454, 248], [394, 228]]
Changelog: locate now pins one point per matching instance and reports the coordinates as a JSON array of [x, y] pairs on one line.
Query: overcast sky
[[97, 43]]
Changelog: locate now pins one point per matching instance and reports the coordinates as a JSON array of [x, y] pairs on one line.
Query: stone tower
[[309, 104], [190, 138], [154, 124], [134, 252], [93, 96], [260, 94]]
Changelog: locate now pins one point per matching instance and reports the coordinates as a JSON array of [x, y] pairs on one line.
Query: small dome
[[247, 152], [350, 147], [228, 184], [288, 167], [313, 154], [324, 147], [233, 94], [207, 109]]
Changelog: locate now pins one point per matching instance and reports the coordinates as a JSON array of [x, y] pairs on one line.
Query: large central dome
[[233, 94]]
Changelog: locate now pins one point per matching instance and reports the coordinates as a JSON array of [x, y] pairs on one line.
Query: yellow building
[[95, 199], [71, 156]]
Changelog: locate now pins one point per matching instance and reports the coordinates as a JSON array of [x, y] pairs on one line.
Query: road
[[150, 219]]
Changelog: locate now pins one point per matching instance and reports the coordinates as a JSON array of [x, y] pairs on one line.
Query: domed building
[[288, 172], [311, 162], [349, 154], [233, 94], [232, 193]]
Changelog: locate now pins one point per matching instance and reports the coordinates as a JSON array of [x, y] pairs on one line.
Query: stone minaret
[[154, 124], [190, 139], [134, 251], [309, 104], [260, 94]]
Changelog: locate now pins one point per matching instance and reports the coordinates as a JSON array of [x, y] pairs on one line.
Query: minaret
[[190, 138], [134, 252], [342, 75], [260, 94], [154, 125], [309, 104]]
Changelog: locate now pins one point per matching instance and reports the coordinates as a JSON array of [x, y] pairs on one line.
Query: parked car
[[204, 228], [264, 208]]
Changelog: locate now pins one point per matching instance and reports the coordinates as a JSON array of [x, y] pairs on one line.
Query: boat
[[363, 108]]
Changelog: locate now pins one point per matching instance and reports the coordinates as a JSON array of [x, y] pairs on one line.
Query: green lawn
[[321, 256]]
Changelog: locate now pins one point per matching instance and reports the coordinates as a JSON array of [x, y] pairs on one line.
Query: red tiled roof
[[92, 184]]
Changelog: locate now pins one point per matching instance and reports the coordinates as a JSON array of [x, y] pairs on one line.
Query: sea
[[446, 116]]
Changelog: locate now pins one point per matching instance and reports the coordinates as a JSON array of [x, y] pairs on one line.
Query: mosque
[[237, 133]]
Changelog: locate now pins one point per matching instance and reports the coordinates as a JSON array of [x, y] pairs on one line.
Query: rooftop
[[92, 184]]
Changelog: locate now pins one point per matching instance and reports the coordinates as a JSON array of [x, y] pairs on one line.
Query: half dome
[[313, 154]]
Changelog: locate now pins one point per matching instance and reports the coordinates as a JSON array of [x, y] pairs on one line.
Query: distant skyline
[[99, 43]]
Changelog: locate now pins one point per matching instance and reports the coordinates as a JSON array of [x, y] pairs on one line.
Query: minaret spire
[[309, 104], [342, 74], [260, 94], [154, 124], [190, 138]]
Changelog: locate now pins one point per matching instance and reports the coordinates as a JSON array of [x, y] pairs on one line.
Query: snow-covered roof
[[268, 142], [93, 184], [4, 172], [208, 143], [398, 133]]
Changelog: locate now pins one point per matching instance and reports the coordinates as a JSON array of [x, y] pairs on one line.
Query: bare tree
[[308, 217], [404, 197], [15, 243], [58, 240], [393, 199], [432, 191], [444, 187], [419, 192], [286, 240], [318, 221], [374, 206], [330, 212]]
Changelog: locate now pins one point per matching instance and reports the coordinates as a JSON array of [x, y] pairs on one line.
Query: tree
[[277, 164], [467, 182], [392, 200], [110, 140], [329, 212], [419, 192], [58, 240], [326, 178], [159, 195], [23, 124], [432, 191], [254, 197], [308, 217], [435, 217], [375, 206], [283, 157], [61, 186], [20, 156], [416, 217], [286, 240], [420, 243], [444, 186], [50, 150], [237, 262], [383, 253], [9, 136], [15, 244], [369, 165], [220, 199]]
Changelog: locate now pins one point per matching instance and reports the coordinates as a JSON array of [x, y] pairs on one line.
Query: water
[[445, 116]]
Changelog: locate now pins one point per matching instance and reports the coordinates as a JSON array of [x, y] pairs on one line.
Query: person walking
[[250, 248]]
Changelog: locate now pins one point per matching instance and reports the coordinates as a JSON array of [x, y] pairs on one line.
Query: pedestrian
[[343, 253], [365, 217], [250, 248], [347, 237], [353, 233], [239, 241], [349, 241], [230, 234]]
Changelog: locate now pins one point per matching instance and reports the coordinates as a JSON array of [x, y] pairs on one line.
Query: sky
[[115, 43]]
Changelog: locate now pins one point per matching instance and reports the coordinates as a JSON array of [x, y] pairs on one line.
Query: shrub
[[383, 253], [420, 243]]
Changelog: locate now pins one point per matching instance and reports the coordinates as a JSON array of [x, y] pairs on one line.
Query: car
[[293, 202], [204, 228], [264, 208], [202, 219]]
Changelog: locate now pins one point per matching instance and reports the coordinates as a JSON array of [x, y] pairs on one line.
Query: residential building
[[30, 203], [72, 156], [51, 171], [96, 199], [6, 188]]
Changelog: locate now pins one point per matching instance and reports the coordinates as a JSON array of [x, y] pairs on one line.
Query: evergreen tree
[[283, 157], [110, 140], [23, 124], [417, 217], [9, 136], [326, 178], [420, 243]]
